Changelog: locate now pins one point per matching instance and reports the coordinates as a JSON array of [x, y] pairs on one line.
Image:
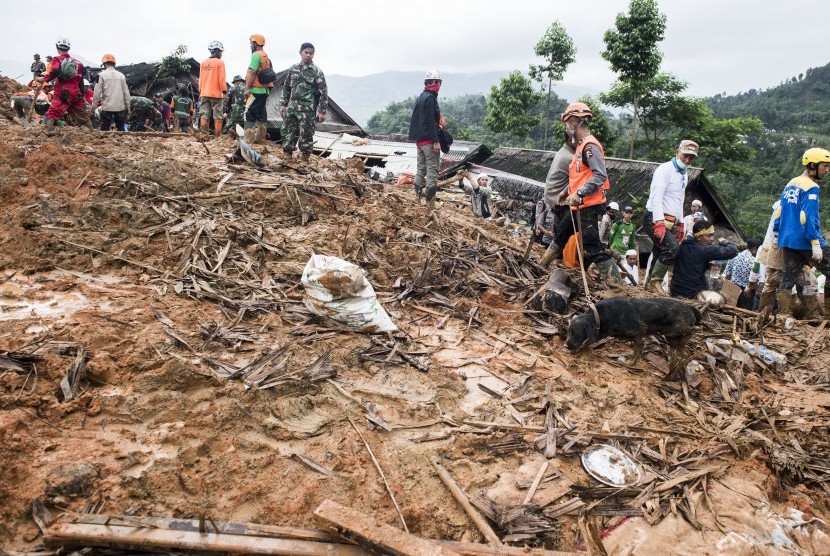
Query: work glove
[[817, 253], [660, 230]]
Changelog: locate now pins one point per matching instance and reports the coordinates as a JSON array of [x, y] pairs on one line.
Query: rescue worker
[[37, 68], [663, 217], [693, 258], [259, 80], [182, 106], [304, 94], [143, 115], [587, 184], [555, 183], [68, 97], [111, 95], [235, 106], [212, 87], [798, 226], [423, 129]]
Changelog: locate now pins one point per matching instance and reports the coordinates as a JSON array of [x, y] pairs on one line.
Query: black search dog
[[628, 317]]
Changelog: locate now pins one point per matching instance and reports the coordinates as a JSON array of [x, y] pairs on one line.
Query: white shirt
[[111, 91], [633, 270], [667, 192]]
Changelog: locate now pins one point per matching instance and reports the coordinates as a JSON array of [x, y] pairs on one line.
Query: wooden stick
[[382, 476], [81, 183], [536, 482], [78, 245], [462, 499]]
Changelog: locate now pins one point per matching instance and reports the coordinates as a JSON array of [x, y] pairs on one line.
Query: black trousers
[[256, 110], [794, 261], [593, 250], [665, 251], [108, 117]]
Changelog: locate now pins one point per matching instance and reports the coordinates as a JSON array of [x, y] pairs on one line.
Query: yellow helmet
[[814, 156], [259, 39]]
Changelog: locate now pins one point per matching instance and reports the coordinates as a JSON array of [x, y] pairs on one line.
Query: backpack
[[68, 69], [268, 75]]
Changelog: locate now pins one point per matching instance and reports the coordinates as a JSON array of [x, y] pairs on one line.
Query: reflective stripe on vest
[[579, 174], [263, 58]]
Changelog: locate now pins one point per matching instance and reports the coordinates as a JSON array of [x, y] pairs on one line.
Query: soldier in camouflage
[[304, 96], [143, 115], [235, 104]]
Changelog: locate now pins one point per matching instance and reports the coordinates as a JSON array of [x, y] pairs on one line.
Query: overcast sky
[[715, 45]]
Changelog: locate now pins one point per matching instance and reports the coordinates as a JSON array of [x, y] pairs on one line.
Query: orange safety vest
[[579, 174], [263, 59]]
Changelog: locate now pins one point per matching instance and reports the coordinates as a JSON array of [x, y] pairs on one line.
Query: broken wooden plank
[[377, 537], [473, 549]]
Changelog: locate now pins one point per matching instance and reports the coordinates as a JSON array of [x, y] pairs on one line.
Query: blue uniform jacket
[[797, 220]]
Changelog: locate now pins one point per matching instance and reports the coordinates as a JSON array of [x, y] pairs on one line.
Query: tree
[[558, 50], [508, 109], [631, 49], [394, 119]]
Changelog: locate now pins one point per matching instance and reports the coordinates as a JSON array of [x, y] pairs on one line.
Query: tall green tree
[[510, 104], [631, 49], [558, 51]]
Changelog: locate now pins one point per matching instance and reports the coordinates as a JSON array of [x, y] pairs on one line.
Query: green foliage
[[393, 120], [601, 125], [173, 64], [558, 51], [510, 104], [631, 48]]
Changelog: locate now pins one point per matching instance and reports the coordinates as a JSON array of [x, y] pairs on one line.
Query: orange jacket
[[579, 174], [212, 81]]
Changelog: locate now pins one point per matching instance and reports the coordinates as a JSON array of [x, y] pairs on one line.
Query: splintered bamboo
[[461, 498]]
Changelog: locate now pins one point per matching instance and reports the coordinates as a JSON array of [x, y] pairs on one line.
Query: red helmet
[[578, 109]]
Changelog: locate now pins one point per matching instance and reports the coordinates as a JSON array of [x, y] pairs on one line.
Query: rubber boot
[[809, 307], [767, 302], [609, 273], [49, 126], [304, 157], [551, 253], [431, 204], [655, 281], [785, 303], [217, 128]]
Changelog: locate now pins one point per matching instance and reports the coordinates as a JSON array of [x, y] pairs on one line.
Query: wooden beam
[[146, 537], [366, 530]]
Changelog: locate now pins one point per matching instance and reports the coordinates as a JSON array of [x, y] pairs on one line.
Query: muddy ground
[[111, 246]]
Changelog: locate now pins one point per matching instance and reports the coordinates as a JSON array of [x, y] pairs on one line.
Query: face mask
[[680, 164]]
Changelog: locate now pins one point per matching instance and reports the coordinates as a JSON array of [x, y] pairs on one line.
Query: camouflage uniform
[[235, 107], [143, 113], [305, 96]]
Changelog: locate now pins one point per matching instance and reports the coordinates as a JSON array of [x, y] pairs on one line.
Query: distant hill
[[361, 97], [796, 106]]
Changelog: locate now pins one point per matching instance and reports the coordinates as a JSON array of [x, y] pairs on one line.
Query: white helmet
[[614, 206], [62, 43], [215, 45], [433, 74]]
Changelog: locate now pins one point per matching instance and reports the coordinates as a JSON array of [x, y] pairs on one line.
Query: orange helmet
[[259, 39], [107, 58], [578, 109]]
